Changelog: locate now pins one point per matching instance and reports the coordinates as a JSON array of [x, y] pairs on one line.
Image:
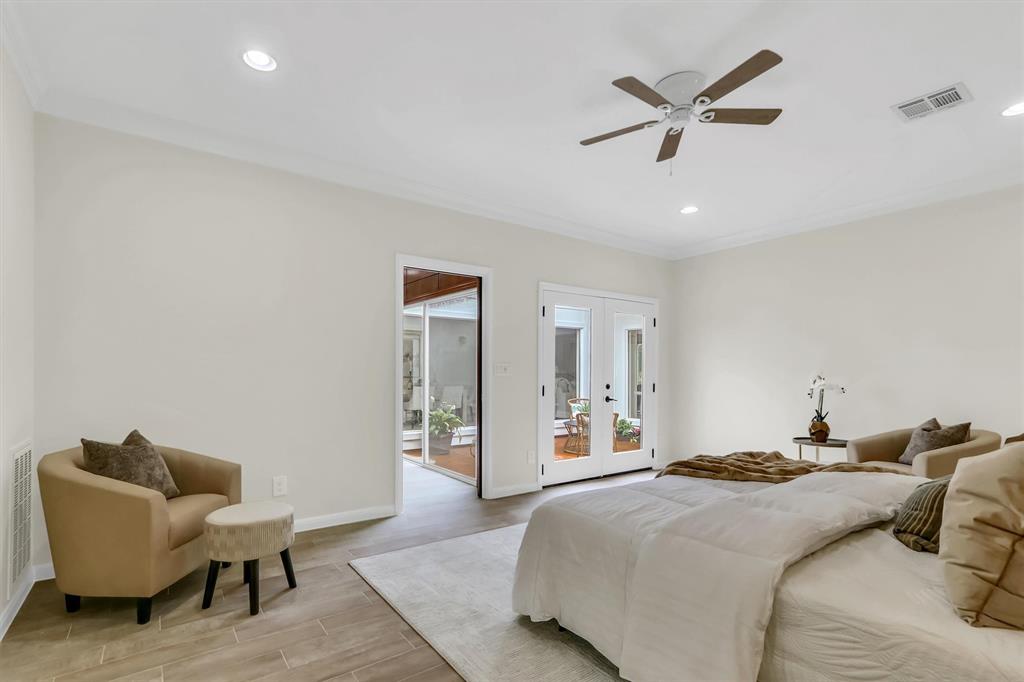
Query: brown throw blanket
[[767, 467]]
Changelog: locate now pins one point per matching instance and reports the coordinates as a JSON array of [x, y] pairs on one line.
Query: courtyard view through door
[[440, 372], [598, 383]]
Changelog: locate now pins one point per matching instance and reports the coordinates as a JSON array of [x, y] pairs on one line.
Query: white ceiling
[[480, 106]]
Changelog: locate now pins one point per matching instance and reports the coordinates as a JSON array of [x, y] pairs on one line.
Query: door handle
[[609, 399]]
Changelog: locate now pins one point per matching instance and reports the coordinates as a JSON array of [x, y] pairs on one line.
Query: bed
[[868, 608], [862, 607]]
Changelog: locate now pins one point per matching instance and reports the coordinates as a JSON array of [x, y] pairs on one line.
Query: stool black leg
[[143, 609], [286, 559], [211, 583], [245, 571], [72, 602], [254, 586]]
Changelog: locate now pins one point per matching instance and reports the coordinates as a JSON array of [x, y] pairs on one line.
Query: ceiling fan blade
[[641, 91], [757, 117], [744, 73], [616, 133], [670, 145]]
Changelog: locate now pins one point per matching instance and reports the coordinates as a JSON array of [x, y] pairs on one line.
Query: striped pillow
[[920, 518]]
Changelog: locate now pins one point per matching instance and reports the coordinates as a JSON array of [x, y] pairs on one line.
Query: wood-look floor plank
[[151, 658], [371, 613], [244, 670], [439, 673], [151, 675], [333, 659], [206, 664], [28, 661], [272, 621], [368, 637], [332, 627], [400, 667]]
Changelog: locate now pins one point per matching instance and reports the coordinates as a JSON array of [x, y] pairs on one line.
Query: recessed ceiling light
[[261, 61], [687, 210], [1016, 110]]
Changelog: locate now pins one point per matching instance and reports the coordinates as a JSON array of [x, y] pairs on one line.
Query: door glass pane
[[452, 337], [412, 382], [628, 368], [572, 383]]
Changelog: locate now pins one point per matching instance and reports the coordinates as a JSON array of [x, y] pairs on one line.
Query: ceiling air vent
[[945, 98]]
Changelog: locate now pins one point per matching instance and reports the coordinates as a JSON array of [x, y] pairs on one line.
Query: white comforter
[[673, 579]]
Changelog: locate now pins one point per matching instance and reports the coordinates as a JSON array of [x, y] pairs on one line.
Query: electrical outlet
[[280, 486], [531, 457], [502, 369]]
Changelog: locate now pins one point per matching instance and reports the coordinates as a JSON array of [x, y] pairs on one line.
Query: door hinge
[[541, 469], [655, 322], [542, 389], [543, 310], [652, 453], [654, 388]]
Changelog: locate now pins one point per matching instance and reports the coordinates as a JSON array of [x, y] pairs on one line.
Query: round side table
[[245, 532], [830, 443]]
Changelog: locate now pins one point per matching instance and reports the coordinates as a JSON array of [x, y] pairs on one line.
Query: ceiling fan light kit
[[681, 97]]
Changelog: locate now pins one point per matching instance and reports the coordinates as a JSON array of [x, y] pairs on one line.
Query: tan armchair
[[885, 449], [109, 538]]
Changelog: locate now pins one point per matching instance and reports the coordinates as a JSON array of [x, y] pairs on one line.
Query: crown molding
[[102, 114], [12, 36], [84, 109], [978, 184]]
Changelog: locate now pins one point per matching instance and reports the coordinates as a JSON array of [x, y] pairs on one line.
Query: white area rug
[[458, 594]]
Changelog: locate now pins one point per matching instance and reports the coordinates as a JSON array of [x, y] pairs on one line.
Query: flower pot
[[818, 431], [440, 445]]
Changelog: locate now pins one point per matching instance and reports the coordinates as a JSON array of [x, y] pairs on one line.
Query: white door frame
[[486, 276], [543, 433]]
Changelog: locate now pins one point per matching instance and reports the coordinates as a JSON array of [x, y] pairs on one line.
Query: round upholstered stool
[[245, 532]]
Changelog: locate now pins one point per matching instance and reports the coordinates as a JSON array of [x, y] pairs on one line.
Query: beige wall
[[16, 280], [210, 303], [919, 313]]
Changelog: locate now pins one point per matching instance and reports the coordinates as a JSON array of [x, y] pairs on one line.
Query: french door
[[598, 386]]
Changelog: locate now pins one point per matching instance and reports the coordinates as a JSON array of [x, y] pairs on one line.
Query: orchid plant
[[821, 385]]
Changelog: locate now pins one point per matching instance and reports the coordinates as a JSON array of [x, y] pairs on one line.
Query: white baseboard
[[17, 599], [509, 490], [44, 572], [353, 516]]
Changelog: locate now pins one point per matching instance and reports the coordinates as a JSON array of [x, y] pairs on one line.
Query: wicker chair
[[577, 407], [578, 428]]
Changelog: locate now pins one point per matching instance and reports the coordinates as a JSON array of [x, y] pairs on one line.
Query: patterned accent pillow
[[136, 461], [920, 518], [932, 436]]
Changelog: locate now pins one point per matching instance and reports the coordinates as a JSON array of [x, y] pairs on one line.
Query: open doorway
[[440, 372]]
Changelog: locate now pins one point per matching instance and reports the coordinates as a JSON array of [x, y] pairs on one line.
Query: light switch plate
[[280, 486], [502, 369]]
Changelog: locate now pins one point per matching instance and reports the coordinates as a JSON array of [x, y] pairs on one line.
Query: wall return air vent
[[944, 98], [21, 516]]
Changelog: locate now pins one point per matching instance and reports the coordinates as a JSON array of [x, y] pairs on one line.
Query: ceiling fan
[[682, 97]]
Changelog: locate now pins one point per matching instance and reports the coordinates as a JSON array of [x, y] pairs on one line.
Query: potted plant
[[819, 428], [626, 430], [443, 424]]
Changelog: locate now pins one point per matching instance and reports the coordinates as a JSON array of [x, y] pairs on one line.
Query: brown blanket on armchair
[[767, 467]]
